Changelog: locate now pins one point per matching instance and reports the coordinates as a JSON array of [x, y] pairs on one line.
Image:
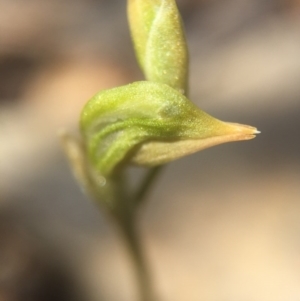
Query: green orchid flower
[[149, 124]]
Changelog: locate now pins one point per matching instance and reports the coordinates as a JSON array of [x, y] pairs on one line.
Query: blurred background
[[220, 225]]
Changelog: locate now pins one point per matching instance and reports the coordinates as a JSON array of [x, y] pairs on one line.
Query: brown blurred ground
[[223, 224]]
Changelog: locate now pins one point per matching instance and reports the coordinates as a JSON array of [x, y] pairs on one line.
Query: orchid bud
[[159, 41], [149, 124]]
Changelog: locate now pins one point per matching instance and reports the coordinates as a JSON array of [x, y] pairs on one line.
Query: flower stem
[[132, 239]]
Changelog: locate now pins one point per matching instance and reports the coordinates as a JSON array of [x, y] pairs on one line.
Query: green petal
[[159, 41], [149, 124]]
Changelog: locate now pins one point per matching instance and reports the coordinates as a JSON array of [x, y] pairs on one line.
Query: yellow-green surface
[[149, 124]]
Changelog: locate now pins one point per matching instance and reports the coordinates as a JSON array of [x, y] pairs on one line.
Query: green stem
[[127, 221], [129, 230]]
